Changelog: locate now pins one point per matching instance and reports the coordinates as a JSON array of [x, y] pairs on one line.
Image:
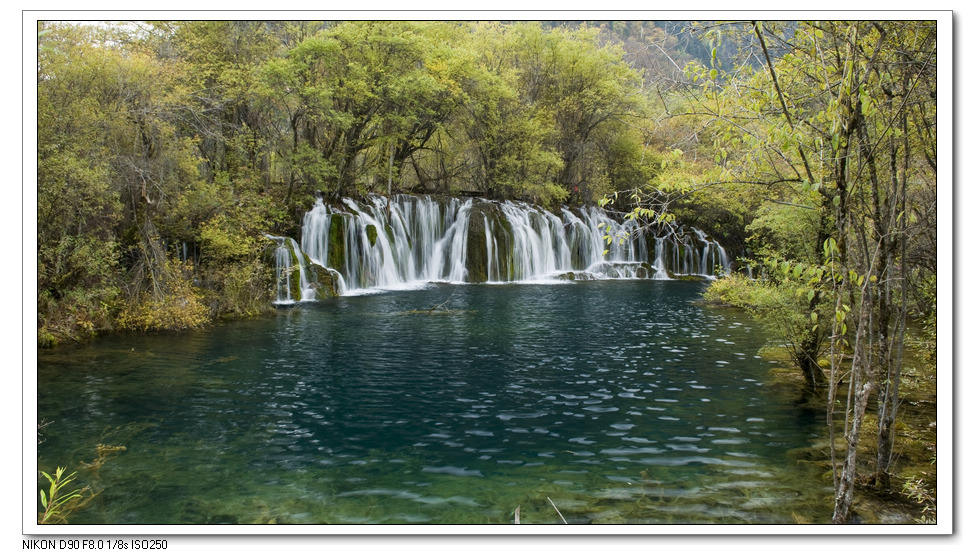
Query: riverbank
[[912, 498]]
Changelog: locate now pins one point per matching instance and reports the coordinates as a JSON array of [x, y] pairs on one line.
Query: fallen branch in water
[[557, 510], [441, 305]]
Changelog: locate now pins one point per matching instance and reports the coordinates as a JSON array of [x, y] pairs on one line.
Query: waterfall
[[408, 241], [538, 247], [690, 254], [659, 265], [289, 261], [389, 244]]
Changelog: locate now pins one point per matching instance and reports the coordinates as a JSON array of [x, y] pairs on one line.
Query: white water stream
[[406, 242]]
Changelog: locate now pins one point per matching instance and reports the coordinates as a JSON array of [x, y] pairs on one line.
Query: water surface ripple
[[622, 402]]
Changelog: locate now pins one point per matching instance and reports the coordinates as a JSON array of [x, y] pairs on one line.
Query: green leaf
[[43, 499]]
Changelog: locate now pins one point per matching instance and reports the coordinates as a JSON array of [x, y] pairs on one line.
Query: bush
[[174, 304], [783, 306]]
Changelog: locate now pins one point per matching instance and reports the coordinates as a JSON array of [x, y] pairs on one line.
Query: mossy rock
[[504, 238], [372, 234], [327, 285], [336, 242], [477, 236], [476, 246], [576, 276], [295, 283]]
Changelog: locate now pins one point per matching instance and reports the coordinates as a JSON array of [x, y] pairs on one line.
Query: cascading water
[[691, 254], [288, 258], [408, 241], [626, 252], [389, 243]]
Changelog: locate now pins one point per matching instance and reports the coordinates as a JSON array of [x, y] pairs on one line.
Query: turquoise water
[[614, 401]]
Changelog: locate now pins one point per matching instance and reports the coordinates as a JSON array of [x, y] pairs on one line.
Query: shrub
[[782, 305], [174, 304]]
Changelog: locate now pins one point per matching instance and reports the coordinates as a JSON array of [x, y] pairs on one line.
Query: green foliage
[[732, 290], [77, 288], [215, 133], [235, 268], [174, 305], [630, 163], [927, 316], [782, 304], [57, 504], [917, 490], [77, 205], [784, 230], [224, 240]]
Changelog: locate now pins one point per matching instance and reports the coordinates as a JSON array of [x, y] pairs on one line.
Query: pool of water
[[596, 402]]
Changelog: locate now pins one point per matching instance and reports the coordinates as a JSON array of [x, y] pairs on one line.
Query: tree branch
[[785, 108]]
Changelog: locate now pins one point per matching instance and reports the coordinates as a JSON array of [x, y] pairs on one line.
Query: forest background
[[166, 151]]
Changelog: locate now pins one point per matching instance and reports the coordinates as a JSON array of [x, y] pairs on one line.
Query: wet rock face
[[488, 237], [577, 276], [477, 255], [336, 243], [326, 286]]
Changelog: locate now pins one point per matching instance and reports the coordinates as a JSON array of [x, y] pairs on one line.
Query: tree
[[834, 120]]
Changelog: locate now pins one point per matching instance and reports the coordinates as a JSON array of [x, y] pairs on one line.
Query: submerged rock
[[577, 276]]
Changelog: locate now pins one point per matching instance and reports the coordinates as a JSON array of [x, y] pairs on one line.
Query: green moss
[[476, 248], [327, 282], [505, 254], [372, 234], [336, 242], [295, 283]]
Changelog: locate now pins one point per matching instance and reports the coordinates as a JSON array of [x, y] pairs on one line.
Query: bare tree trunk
[[890, 392], [861, 385]]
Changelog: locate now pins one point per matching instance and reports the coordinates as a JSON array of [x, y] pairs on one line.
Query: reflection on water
[[622, 402]]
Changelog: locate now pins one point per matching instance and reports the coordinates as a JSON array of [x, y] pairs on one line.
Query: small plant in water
[[57, 504], [919, 492], [103, 451]]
